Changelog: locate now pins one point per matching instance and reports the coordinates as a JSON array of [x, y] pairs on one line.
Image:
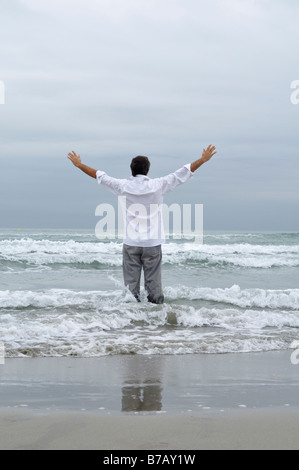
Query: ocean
[[62, 294]]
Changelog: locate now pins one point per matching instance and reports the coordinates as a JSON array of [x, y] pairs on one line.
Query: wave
[[45, 252], [238, 255], [287, 299], [60, 322], [258, 238], [243, 298], [28, 253], [91, 323]]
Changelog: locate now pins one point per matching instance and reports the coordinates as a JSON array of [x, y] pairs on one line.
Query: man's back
[[141, 199]]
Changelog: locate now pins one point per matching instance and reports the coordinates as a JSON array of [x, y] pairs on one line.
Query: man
[[143, 198]]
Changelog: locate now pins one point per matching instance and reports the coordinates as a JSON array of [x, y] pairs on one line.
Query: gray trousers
[[150, 260]]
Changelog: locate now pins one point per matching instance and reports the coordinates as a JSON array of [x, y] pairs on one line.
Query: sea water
[[62, 294]]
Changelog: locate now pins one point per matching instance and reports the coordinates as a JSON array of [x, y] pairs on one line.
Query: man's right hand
[[208, 153]]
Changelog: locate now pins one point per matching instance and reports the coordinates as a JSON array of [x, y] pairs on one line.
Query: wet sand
[[235, 401]]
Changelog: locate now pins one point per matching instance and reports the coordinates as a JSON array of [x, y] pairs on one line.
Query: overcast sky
[[112, 79]]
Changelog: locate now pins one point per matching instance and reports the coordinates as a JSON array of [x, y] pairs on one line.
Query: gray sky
[[112, 79]]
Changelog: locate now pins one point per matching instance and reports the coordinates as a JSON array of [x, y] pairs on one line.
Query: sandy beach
[[261, 430], [234, 401]]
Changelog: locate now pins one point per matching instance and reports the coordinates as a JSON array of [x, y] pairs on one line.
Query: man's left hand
[[75, 159]]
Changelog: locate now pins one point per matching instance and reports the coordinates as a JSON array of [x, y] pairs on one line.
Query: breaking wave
[[92, 323], [28, 252]]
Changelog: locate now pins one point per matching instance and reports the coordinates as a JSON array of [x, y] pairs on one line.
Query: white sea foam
[[36, 320], [65, 322], [244, 298], [47, 252], [235, 296], [242, 255], [41, 252]]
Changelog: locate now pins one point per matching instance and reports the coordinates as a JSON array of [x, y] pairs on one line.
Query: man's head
[[140, 166]]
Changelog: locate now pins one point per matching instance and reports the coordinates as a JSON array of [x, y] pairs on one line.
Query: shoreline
[[232, 401]]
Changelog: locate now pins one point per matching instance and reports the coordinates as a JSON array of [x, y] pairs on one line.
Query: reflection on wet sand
[[143, 397], [142, 389]]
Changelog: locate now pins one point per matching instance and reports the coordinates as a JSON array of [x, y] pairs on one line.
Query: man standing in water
[[143, 242]]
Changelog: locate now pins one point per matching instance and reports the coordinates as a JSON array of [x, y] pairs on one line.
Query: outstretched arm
[[76, 160], [207, 154]]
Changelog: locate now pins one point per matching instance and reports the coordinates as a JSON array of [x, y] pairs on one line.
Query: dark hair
[[140, 166]]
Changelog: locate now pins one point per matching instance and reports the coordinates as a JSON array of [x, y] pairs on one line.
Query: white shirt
[[141, 199]]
